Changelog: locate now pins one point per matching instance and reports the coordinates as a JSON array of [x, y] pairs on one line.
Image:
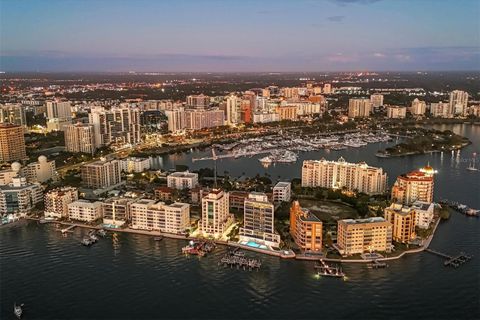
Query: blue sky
[[247, 35]]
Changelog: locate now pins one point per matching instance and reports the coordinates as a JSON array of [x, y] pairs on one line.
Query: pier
[[68, 229], [452, 261]]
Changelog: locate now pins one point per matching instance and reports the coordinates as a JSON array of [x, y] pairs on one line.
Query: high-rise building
[[403, 222], [364, 235], [197, 119], [101, 174], [59, 110], [396, 112], [327, 88], [19, 197], [305, 228], [341, 174], [258, 220], [176, 120], [458, 102], [12, 142], [83, 210], [80, 137], [414, 186], [158, 216], [440, 110], [376, 100], [233, 107], [215, 213], [57, 200], [13, 113], [418, 107], [182, 180], [118, 126], [359, 108], [287, 112], [198, 101]]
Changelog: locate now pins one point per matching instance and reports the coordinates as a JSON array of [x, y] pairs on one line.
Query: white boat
[[471, 166]]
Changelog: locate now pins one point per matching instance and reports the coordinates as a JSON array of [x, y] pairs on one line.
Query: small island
[[421, 141]]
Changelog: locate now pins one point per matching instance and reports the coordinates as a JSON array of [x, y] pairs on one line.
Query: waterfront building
[[158, 216], [19, 196], [396, 112], [414, 186], [117, 126], [116, 211], [12, 143], [83, 210], [215, 213], [236, 199], [134, 164], [327, 88], [359, 108], [418, 107], [305, 228], [196, 119], [424, 212], [376, 100], [57, 200], [258, 220], [363, 235], [402, 219], [200, 101], [13, 113], [7, 175], [440, 110], [341, 174], [282, 192], [40, 171], [80, 137], [182, 180], [101, 174], [458, 102], [176, 120]]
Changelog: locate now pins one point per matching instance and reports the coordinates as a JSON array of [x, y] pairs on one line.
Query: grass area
[[329, 211]]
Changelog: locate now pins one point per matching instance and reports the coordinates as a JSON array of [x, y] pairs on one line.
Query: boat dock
[[375, 264], [68, 229], [452, 261], [238, 259], [323, 269]]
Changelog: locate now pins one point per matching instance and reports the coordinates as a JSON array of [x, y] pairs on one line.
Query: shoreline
[[280, 253]]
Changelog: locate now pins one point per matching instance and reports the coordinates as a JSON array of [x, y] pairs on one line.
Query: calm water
[[131, 276]]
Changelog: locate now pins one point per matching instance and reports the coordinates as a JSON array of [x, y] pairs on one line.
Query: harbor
[[238, 259], [452, 261]]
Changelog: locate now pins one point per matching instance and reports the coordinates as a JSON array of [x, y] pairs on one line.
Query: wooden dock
[[69, 229], [233, 259], [452, 261]]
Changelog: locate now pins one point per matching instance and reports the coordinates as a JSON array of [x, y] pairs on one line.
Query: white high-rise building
[[376, 100], [396, 112], [83, 210], [359, 108], [282, 192], [440, 110], [13, 113], [59, 110], [101, 174], [80, 137], [341, 174], [458, 102], [233, 109], [182, 180], [215, 213], [418, 107], [19, 197], [176, 120]]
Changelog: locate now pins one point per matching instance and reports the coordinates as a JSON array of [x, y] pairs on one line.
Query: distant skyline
[[247, 35]]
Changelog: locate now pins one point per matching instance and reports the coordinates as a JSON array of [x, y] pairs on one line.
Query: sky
[[234, 35]]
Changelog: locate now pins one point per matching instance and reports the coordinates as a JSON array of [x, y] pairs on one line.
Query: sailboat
[[471, 166]]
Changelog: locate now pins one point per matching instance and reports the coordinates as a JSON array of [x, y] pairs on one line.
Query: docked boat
[[17, 310], [471, 166], [160, 238], [325, 270], [102, 233]]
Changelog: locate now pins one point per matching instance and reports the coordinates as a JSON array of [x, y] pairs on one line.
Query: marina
[[462, 208], [238, 259], [199, 247], [325, 270]]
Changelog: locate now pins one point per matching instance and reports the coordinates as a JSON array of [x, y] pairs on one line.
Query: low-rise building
[[396, 112], [424, 213], [305, 228], [40, 171], [83, 210], [116, 211], [134, 164], [158, 216], [57, 200], [182, 180], [282, 192], [364, 235], [164, 193]]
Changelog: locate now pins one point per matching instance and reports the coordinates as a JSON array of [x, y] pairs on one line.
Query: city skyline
[[230, 36]]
